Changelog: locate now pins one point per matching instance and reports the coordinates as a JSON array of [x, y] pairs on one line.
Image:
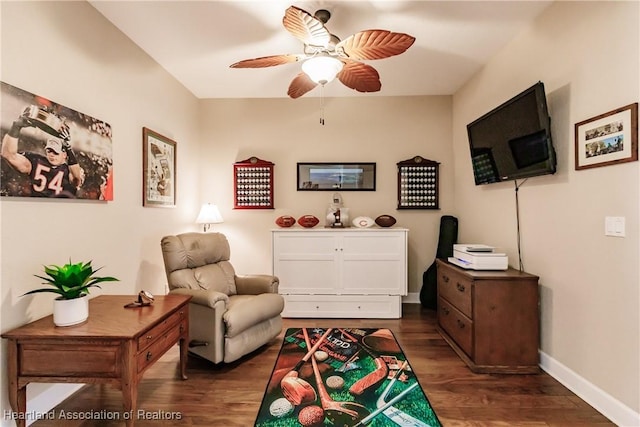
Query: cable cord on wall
[[520, 265]]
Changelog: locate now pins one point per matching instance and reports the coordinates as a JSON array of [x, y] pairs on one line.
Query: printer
[[478, 257]]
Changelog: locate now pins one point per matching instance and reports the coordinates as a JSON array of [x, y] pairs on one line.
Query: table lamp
[[209, 214]]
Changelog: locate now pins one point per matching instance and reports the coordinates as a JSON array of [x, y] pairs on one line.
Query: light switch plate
[[614, 226]]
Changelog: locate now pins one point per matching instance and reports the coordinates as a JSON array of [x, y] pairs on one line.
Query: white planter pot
[[71, 311]]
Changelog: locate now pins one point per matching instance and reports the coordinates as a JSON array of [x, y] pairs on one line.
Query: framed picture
[[55, 152], [159, 170], [336, 176], [607, 139]]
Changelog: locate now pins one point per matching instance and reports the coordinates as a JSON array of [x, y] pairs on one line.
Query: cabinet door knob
[[460, 287], [445, 279], [446, 311], [149, 356], [460, 324]]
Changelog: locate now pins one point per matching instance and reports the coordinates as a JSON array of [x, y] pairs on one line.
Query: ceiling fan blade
[[300, 85], [268, 61], [305, 27], [360, 77], [374, 44]]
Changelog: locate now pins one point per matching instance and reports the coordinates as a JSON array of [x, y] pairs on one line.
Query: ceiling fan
[[326, 56]]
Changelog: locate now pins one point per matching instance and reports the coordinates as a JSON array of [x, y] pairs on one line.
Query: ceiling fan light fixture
[[322, 69], [326, 57]]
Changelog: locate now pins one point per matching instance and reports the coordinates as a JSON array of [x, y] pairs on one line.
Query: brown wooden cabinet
[[490, 318]]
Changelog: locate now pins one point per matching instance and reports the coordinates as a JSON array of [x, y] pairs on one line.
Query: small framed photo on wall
[[607, 139], [159, 170]]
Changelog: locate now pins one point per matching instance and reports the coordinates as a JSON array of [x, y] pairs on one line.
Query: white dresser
[[341, 273]]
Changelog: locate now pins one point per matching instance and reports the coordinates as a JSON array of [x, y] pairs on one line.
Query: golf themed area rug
[[343, 378]]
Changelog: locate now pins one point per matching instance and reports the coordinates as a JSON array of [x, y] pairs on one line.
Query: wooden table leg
[[129, 384], [17, 394], [130, 397], [184, 348]]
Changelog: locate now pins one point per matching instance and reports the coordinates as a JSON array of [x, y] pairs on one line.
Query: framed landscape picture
[[159, 170], [336, 176], [607, 139]]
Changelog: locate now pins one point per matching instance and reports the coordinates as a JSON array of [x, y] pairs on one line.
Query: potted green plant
[[72, 283]]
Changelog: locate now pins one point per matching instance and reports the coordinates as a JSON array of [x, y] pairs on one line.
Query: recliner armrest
[[255, 284], [202, 296]]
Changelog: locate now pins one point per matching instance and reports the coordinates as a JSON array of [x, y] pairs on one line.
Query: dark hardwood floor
[[230, 395]]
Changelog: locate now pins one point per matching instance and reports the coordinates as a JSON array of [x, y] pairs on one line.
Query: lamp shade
[[322, 69], [209, 214]]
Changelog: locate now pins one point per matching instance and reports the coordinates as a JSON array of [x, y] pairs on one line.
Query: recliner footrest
[[245, 311]]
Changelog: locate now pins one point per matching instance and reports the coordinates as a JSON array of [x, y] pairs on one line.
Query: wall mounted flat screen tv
[[513, 140]]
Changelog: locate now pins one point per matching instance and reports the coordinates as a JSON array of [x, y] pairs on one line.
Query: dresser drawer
[[161, 328], [70, 359], [343, 306], [160, 345], [457, 325], [456, 289]]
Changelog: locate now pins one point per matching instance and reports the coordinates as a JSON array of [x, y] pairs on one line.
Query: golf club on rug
[[373, 380], [399, 417], [370, 417], [295, 389], [340, 414]]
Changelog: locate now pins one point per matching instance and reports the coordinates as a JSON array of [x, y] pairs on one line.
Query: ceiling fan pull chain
[[322, 105]]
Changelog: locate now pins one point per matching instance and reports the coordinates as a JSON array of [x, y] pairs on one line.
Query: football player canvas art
[[49, 150]]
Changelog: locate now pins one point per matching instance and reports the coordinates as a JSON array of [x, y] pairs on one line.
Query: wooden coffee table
[[114, 346]]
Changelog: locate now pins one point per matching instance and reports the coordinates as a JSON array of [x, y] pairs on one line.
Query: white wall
[[587, 55], [384, 130], [67, 52]]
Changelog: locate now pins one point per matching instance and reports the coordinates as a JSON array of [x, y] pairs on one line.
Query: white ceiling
[[196, 41]]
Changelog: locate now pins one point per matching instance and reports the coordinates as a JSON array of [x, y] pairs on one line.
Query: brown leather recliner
[[229, 315]]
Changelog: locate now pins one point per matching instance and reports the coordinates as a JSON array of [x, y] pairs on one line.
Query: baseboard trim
[[411, 298], [47, 399], [607, 405]]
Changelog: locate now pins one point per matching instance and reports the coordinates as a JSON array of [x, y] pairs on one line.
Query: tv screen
[[513, 140]]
